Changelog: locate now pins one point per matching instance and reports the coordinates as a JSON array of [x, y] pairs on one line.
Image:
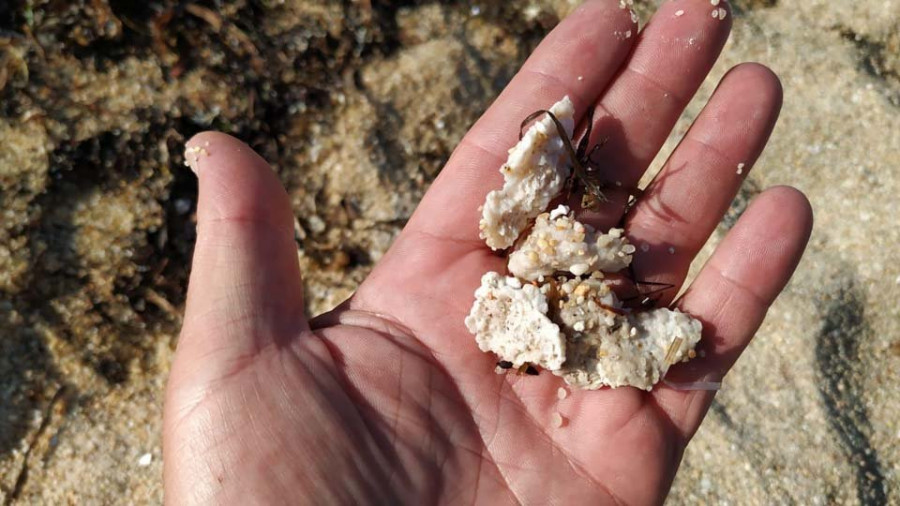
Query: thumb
[[245, 291]]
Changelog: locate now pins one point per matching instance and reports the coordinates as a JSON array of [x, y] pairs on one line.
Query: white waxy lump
[[573, 325], [589, 341], [533, 174], [615, 348], [510, 319], [558, 242]]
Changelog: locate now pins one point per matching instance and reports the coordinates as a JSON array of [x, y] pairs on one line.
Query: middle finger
[[682, 206], [671, 58]]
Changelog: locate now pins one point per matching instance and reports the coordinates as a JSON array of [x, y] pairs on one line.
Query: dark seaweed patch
[[111, 330], [844, 327], [12, 15], [746, 193], [878, 58]]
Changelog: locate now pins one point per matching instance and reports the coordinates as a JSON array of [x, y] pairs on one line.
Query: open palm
[[387, 399]]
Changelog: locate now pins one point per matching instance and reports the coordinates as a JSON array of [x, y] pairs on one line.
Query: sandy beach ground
[[357, 105]]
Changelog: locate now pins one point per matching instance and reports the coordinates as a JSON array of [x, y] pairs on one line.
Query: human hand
[[387, 399]]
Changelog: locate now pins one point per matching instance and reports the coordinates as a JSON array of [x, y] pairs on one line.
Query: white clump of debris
[[587, 338], [585, 304], [607, 346], [510, 319], [534, 173], [558, 242], [573, 325]]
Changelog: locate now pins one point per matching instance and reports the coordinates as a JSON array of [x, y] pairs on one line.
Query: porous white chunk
[[577, 327], [584, 304], [534, 173], [510, 320], [634, 350], [558, 242]]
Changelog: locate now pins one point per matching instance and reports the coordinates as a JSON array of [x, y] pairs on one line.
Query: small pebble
[[722, 13], [671, 250], [581, 78], [192, 156], [558, 420], [562, 393], [715, 13], [579, 269], [183, 206], [740, 168], [679, 13], [714, 2], [645, 247], [145, 459]]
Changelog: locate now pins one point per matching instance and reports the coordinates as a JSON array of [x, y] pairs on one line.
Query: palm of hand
[[387, 398], [364, 399]]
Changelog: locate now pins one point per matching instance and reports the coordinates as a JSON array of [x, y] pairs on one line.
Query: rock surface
[[358, 108]]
